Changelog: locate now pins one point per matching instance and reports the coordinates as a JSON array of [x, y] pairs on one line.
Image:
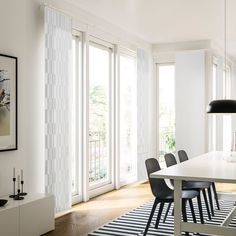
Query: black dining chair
[[183, 156], [163, 194], [191, 185]]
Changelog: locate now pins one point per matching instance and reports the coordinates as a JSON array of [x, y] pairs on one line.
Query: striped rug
[[134, 222]]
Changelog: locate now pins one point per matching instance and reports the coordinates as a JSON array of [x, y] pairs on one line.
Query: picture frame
[[8, 102]]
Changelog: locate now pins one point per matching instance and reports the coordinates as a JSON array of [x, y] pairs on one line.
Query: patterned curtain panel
[[143, 74], [58, 40]]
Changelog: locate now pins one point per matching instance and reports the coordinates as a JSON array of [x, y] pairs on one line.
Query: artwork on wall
[[8, 103]]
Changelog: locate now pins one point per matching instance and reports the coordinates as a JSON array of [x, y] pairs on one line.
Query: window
[[127, 117], [104, 115], [100, 80], [166, 85]]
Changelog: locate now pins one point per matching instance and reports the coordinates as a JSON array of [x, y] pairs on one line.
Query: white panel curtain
[[58, 44], [143, 77]]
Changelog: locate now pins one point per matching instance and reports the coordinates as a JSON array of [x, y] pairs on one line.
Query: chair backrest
[[170, 159], [158, 186], [182, 156]]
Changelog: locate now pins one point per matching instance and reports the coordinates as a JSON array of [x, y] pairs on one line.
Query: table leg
[[177, 206]]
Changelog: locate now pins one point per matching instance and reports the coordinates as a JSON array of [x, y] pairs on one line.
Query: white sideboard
[[32, 216]]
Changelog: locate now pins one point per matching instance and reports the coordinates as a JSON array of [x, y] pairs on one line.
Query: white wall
[[190, 102], [21, 36], [165, 48], [98, 27]]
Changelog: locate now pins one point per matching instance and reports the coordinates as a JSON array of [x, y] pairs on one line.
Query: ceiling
[[166, 21]]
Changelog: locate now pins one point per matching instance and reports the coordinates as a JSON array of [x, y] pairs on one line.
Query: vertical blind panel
[[143, 75], [58, 44]]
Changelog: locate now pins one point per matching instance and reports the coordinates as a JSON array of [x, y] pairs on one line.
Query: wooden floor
[[227, 188], [86, 217]]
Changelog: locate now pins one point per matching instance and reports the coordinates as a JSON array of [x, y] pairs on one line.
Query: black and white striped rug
[[134, 222]]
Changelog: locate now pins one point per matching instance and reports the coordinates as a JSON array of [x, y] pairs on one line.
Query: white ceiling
[[163, 21]]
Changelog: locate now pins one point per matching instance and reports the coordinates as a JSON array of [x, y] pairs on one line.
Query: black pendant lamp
[[224, 105]]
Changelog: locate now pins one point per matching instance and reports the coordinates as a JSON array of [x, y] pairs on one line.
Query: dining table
[[211, 167]]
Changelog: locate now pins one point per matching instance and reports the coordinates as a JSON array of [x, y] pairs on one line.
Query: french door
[[99, 115], [104, 117]]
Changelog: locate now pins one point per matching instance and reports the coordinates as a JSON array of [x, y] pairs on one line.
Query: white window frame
[[84, 191], [77, 195], [103, 187]]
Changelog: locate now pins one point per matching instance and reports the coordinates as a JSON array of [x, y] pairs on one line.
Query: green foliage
[[98, 111], [170, 142]]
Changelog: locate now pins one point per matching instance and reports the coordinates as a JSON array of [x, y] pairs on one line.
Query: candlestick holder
[[22, 193], [18, 197], [14, 189]]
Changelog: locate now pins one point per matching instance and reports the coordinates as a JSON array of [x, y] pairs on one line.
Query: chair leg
[[211, 201], [200, 208], [206, 203], [167, 212], [185, 219], [192, 210], [159, 214], [151, 215], [215, 195]]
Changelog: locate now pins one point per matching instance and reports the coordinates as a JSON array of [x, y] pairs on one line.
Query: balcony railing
[[97, 158]]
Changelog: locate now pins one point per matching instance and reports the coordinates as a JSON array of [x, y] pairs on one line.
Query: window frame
[[84, 191], [99, 188], [77, 194]]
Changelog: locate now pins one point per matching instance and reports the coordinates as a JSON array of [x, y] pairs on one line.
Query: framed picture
[[8, 103]]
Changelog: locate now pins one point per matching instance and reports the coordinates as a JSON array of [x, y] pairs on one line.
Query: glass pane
[[128, 117], [99, 75], [166, 109]]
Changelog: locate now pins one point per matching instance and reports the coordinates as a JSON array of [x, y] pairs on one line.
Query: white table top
[[207, 167]]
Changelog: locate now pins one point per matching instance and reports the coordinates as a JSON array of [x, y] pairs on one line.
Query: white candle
[[21, 175], [18, 181], [14, 172]]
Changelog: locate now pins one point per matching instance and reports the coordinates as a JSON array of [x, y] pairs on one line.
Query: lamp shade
[[222, 106]]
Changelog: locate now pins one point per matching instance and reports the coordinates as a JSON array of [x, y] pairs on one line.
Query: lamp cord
[[225, 37], [225, 60]]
